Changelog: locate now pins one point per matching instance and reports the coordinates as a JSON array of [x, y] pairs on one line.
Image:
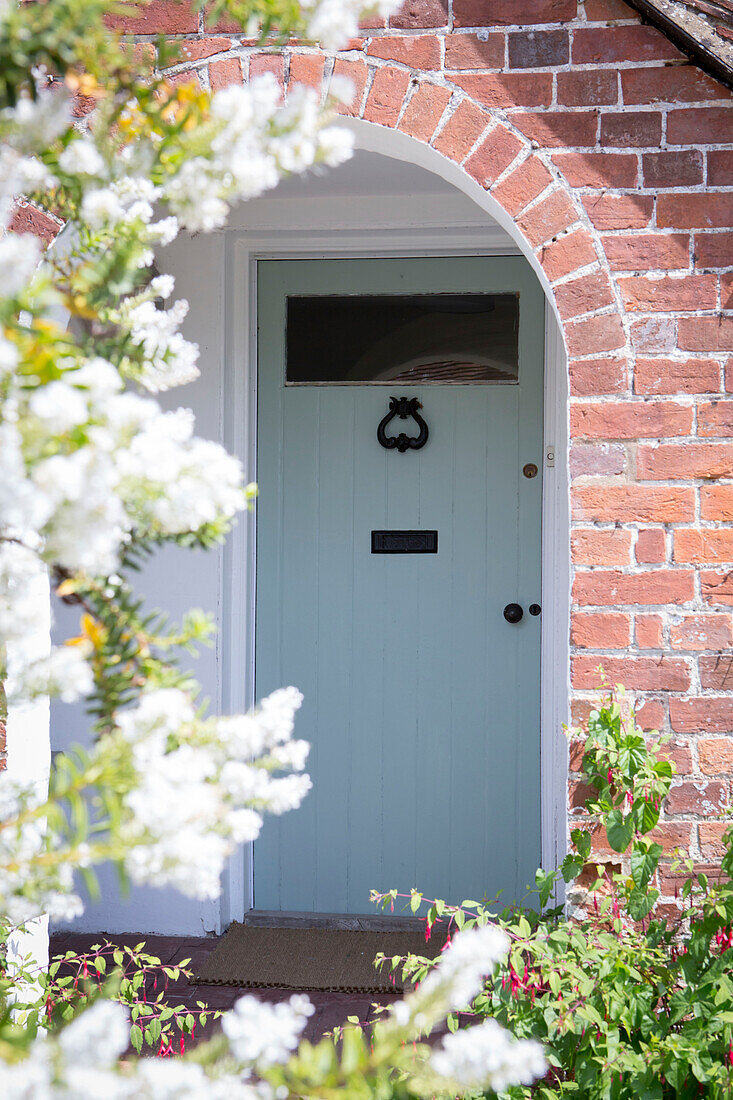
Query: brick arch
[[547, 218]]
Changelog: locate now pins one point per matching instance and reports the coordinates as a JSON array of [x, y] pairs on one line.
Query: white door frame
[[239, 418]]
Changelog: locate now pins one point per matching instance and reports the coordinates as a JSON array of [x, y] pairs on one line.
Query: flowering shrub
[[94, 477], [628, 1002]]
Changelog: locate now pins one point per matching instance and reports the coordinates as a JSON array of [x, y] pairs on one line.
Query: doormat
[[331, 960]]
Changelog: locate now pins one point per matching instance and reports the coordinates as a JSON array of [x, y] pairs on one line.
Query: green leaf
[[643, 863], [649, 817], [136, 1037], [641, 902], [619, 830]]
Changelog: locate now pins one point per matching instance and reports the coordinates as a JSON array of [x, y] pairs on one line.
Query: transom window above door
[[394, 339]]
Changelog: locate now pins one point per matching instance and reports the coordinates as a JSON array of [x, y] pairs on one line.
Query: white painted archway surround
[[240, 436], [350, 226]]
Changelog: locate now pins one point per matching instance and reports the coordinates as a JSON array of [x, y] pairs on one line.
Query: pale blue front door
[[421, 699]]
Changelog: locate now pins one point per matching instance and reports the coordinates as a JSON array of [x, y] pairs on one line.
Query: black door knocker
[[403, 407]]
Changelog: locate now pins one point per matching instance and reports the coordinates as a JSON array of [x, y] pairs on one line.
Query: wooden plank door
[[421, 700]]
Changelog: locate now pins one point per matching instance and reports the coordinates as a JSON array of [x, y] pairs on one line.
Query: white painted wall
[[376, 202]]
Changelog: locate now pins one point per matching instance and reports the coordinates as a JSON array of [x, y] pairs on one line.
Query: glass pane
[[402, 339]]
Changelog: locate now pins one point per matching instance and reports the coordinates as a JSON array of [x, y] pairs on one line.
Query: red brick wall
[[614, 155]]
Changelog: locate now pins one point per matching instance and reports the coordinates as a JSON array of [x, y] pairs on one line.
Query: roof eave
[[691, 34]]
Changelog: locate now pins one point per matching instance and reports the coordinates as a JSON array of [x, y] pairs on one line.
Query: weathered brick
[[547, 218], [590, 377], [525, 184], [419, 51], [716, 671], [156, 17], [699, 126], [648, 631], [651, 546], [594, 546], [224, 72], [306, 68], [356, 72], [654, 335], [420, 13], [684, 460], [714, 249], [568, 253], [514, 13], [267, 63], [651, 714], [29, 219], [707, 334], [677, 750], [386, 95], [647, 251], [578, 794], [461, 131], [709, 713], [619, 211], [695, 210], [676, 376], [198, 49], [631, 129], [716, 503], [598, 169], [636, 673], [670, 84], [424, 111], [703, 546], [715, 755], [729, 376], [600, 629], [507, 89], [726, 291], [668, 293], [610, 588], [716, 586], [720, 167], [586, 294], [538, 49], [558, 129], [467, 51], [703, 799], [496, 152], [630, 420], [587, 88], [715, 418], [711, 833], [595, 335], [682, 168], [607, 10], [597, 459], [634, 503], [701, 632], [609, 44]]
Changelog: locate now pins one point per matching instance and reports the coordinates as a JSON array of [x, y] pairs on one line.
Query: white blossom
[[81, 158], [60, 406], [63, 673], [19, 253], [33, 124], [487, 1057], [98, 1036], [265, 1034], [201, 789]]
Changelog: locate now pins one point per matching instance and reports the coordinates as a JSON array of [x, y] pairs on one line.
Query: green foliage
[[137, 980], [628, 1003]]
